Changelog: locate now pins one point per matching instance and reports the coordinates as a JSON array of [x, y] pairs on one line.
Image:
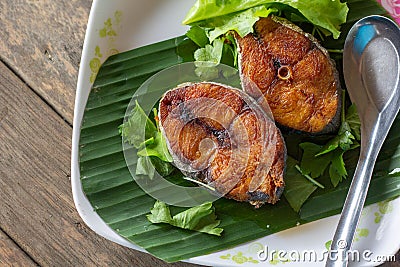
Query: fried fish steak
[[294, 73], [216, 137]]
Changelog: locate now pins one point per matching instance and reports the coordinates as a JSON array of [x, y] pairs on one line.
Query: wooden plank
[[42, 42], [37, 209], [395, 263], [11, 254]]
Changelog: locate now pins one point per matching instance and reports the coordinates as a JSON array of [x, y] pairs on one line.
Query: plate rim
[[81, 202]]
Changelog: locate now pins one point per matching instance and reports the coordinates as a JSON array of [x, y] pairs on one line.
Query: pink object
[[393, 7]]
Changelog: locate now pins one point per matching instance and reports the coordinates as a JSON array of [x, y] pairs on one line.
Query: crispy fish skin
[[209, 162], [294, 73]]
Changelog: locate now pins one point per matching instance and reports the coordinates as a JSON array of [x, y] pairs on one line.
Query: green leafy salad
[[212, 23]]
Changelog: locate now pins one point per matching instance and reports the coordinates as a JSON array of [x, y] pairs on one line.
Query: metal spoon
[[371, 65]]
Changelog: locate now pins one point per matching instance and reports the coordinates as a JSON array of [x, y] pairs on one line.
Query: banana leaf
[[123, 205]]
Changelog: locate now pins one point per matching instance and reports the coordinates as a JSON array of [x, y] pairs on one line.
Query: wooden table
[[40, 50]]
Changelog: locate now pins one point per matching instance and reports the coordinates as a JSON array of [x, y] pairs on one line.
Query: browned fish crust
[[294, 74], [184, 133]]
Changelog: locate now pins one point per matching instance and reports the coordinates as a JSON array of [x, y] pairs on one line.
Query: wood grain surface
[[42, 42], [37, 210], [11, 254], [40, 49]]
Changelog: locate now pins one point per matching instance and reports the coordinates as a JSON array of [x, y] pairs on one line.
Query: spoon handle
[[353, 206]]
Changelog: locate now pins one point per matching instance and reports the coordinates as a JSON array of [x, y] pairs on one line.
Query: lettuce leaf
[[152, 151], [132, 129], [145, 167], [241, 22], [198, 35], [158, 148], [200, 218], [327, 14]]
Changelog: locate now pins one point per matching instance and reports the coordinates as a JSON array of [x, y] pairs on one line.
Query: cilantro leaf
[[316, 159], [207, 58], [297, 187], [210, 53], [354, 121], [344, 140], [308, 177], [337, 170], [315, 165], [345, 137], [200, 218], [310, 163]]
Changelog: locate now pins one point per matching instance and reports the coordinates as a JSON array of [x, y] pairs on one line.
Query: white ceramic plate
[[120, 25]]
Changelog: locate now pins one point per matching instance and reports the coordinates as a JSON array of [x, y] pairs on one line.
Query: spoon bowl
[[371, 66]]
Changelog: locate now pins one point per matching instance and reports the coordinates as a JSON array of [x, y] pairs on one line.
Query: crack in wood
[[9, 246]]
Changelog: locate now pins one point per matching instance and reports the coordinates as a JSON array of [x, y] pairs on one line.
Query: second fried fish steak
[[294, 73], [218, 138]]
